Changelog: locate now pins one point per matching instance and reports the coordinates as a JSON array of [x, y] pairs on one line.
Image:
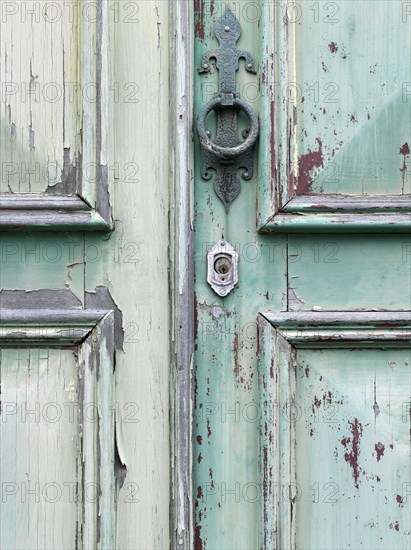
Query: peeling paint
[[199, 25], [400, 500], [379, 449], [352, 457], [294, 302], [101, 298], [306, 165]]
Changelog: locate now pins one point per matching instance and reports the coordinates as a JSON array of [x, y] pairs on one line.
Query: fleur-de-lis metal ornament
[[227, 153]]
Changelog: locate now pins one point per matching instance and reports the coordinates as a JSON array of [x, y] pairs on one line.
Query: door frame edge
[[181, 86]]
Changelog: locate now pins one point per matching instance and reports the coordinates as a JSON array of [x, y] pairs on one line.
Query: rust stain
[[273, 159], [266, 489], [199, 440], [395, 526], [199, 458], [236, 365], [306, 164], [195, 317], [333, 47], [212, 7], [198, 542], [199, 19], [208, 428], [352, 457], [400, 501], [379, 449], [353, 118], [307, 371], [405, 149], [317, 402], [199, 492]]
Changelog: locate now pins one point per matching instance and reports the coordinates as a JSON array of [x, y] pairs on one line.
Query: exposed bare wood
[[182, 273]]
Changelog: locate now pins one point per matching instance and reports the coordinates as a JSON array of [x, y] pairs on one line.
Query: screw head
[[222, 243], [208, 133], [250, 65], [205, 66], [246, 174], [227, 28], [223, 291]]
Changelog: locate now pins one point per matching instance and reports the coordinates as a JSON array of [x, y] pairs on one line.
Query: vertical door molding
[[182, 272]]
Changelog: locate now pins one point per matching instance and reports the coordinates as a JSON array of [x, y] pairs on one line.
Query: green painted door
[[302, 371], [84, 274]]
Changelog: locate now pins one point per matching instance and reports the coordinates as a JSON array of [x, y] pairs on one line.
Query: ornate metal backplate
[[227, 153]]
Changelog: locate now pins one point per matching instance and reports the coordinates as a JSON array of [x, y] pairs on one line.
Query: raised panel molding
[[80, 197], [280, 208], [279, 336], [92, 333]]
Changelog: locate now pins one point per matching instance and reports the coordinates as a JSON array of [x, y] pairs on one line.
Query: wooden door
[[302, 372], [84, 318]]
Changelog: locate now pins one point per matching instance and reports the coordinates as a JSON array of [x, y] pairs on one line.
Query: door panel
[[332, 90], [57, 428], [352, 453], [54, 139], [335, 432], [40, 448], [351, 99]]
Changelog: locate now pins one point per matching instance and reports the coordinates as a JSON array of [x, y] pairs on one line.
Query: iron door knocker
[[227, 153]]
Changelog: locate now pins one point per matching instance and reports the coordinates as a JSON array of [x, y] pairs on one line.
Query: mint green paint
[[352, 457], [324, 263], [335, 441], [227, 412], [38, 462], [351, 94], [343, 272], [33, 261]]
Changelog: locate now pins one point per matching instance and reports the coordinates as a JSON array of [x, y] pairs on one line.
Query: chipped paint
[[379, 449], [306, 165], [351, 457], [199, 14]]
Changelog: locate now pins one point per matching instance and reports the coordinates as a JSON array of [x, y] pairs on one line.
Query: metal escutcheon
[[222, 268]]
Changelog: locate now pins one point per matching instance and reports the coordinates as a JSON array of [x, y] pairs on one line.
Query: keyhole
[[222, 266]]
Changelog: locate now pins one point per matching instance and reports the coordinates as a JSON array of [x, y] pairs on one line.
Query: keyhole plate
[[222, 272]]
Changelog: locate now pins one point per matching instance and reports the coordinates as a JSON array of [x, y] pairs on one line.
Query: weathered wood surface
[[56, 91], [39, 448], [131, 142], [329, 416], [71, 390], [340, 271], [133, 262], [334, 99], [182, 276]]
